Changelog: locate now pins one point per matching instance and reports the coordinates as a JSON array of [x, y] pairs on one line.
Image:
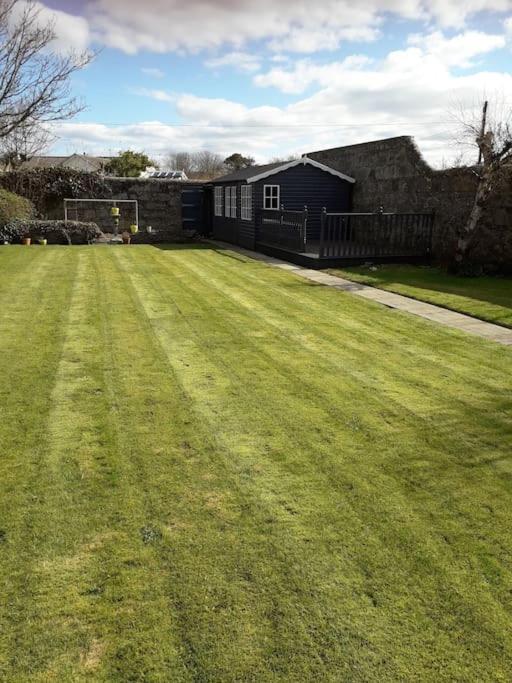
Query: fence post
[[431, 233], [323, 218], [304, 225]]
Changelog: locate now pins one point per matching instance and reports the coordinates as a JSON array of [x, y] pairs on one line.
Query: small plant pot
[[134, 229], [43, 241], [126, 239], [27, 241]]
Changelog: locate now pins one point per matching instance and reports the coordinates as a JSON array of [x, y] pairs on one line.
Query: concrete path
[[443, 316]]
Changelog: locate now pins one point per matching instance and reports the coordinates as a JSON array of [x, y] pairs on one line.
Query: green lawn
[[212, 470], [488, 298]]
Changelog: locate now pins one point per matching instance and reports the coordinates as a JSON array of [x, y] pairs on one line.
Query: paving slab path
[[443, 316]]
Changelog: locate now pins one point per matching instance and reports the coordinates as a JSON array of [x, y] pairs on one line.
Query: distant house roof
[[252, 174], [78, 162]]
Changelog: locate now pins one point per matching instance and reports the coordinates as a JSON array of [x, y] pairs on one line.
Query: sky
[[271, 78]]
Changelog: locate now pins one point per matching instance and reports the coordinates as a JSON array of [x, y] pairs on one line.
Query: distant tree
[[180, 161], [283, 159], [236, 161], [494, 142], [34, 79], [25, 142], [129, 164], [208, 164]]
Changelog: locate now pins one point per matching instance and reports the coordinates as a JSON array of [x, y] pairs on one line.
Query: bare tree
[[208, 163], [34, 79], [494, 143], [25, 142], [283, 159], [180, 161]]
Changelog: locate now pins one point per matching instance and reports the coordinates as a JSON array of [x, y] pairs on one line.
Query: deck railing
[[282, 228], [375, 235]]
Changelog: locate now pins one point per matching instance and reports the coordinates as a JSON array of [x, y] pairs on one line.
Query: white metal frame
[[114, 202], [278, 198]]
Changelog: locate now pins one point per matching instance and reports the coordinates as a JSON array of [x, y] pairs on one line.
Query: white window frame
[[219, 195], [227, 201], [271, 198], [246, 202], [233, 201]]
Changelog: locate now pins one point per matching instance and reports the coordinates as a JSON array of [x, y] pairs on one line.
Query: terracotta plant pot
[[134, 229], [126, 239], [27, 241]]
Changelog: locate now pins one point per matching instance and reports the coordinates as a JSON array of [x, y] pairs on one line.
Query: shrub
[[56, 232], [13, 206], [47, 187]]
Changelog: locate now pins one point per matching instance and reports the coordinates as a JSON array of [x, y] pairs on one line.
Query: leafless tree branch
[[495, 146], [34, 79]]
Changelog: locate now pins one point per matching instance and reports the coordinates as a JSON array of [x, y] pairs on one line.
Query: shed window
[[230, 201], [271, 196], [233, 201], [246, 202], [218, 201]]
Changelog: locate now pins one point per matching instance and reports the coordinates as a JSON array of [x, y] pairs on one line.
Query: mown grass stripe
[[246, 503], [182, 299]]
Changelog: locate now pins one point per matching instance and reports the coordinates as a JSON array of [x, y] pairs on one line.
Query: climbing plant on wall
[[47, 187]]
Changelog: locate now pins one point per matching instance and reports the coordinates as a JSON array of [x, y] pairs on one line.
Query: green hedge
[[56, 232], [13, 206], [47, 187]]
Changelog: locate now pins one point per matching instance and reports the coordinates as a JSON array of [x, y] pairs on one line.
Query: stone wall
[[159, 201], [393, 174]]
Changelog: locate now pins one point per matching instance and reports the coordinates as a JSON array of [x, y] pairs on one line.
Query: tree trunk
[[467, 233]]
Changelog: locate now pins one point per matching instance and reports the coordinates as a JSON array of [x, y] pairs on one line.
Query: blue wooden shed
[[254, 205]]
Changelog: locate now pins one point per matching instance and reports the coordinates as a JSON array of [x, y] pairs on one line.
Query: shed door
[[193, 209]]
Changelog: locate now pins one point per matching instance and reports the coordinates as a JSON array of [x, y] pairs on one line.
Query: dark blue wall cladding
[[300, 185], [306, 185]]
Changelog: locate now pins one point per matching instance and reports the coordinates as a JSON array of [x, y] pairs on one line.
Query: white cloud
[[240, 61], [455, 12], [459, 50], [428, 58], [153, 72], [305, 73], [308, 40], [293, 25], [409, 92], [159, 95], [71, 32], [508, 26]]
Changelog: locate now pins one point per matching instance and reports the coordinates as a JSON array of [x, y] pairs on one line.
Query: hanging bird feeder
[[114, 211]]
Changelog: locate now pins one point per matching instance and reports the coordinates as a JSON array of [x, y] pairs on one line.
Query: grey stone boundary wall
[[392, 173], [159, 203]]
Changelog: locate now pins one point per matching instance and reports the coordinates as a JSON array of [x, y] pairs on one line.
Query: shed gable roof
[[254, 173]]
